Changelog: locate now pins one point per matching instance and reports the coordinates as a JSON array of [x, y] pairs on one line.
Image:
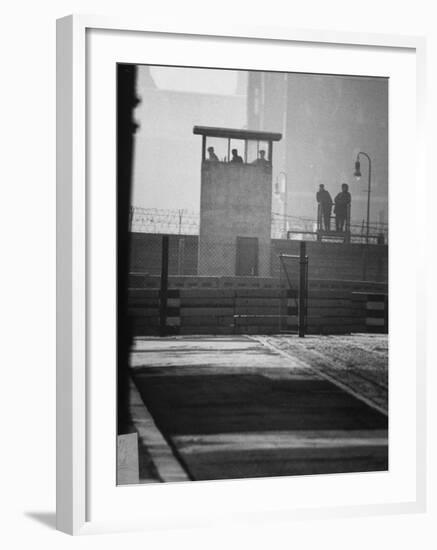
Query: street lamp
[[281, 191], [357, 174]]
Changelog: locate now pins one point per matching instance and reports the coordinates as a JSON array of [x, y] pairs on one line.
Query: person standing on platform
[[342, 205], [325, 204]]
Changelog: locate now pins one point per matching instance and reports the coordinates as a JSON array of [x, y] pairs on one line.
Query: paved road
[[231, 407]]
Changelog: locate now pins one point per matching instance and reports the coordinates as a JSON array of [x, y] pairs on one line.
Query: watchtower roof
[[234, 133]]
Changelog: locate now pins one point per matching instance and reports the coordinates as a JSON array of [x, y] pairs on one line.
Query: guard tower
[[235, 201]]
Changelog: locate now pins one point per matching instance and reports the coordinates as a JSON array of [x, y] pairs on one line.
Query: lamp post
[[281, 191], [357, 174]]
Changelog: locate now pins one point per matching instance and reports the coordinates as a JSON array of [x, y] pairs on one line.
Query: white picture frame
[[74, 463]]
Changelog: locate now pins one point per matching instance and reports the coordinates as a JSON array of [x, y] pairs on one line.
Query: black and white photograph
[[218, 275], [252, 274]]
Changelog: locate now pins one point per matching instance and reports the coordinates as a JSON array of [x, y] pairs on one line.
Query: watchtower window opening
[[237, 151], [236, 146], [216, 149], [258, 152]]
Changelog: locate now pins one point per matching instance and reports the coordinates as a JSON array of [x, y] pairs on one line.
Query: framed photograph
[[240, 275]]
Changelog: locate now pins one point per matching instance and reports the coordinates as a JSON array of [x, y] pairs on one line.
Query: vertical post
[[285, 207], [180, 215], [203, 148], [368, 200], [164, 287], [282, 300], [302, 288], [270, 153], [319, 221], [347, 233], [127, 100], [368, 220], [131, 217], [181, 255]]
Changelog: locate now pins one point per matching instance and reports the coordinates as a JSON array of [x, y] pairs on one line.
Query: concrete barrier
[[374, 309], [331, 310]]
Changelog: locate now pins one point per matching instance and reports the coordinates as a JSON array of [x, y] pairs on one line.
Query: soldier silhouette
[[212, 156], [325, 201], [235, 156], [342, 204]]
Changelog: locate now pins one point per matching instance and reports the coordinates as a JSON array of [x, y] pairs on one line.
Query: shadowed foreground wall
[[326, 260]]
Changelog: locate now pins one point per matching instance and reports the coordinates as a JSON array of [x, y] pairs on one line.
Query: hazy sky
[[167, 154], [328, 119], [201, 81]]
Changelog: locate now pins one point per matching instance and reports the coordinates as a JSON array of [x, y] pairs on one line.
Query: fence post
[[164, 287], [347, 233], [319, 222], [181, 255], [302, 288]]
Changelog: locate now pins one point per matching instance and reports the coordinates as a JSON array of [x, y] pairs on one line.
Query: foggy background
[[325, 120]]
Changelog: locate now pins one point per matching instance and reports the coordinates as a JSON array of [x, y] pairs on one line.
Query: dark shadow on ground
[[195, 406], [45, 518]]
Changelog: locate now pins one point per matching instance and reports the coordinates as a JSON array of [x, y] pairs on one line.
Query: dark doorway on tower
[[247, 256]]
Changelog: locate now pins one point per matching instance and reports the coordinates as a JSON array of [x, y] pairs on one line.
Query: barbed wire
[[155, 220], [186, 222]]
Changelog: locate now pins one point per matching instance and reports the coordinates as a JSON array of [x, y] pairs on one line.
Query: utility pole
[[303, 286]]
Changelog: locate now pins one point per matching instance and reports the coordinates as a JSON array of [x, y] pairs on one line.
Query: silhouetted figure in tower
[[342, 205], [212, 156], [325, 201], [236, 157], [261, 160]]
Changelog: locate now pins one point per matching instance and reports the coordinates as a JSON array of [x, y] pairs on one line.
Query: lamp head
[[357, 172]]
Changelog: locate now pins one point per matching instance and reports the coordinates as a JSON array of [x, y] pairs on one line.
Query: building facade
[[325, 121]]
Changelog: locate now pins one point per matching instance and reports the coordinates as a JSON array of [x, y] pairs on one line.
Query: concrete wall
[[146, 250], [327, 260], [235, 202], [334, 260]]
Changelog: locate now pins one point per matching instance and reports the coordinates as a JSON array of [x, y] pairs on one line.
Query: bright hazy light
[[199, 81]]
